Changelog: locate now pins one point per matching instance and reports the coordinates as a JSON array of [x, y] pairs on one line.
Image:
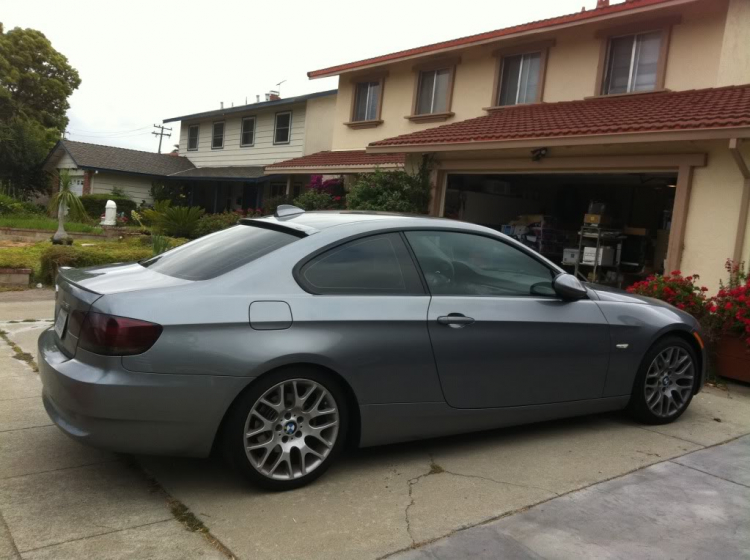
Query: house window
[[433, 91], [283, 128], [217, 138], [278, 189], [247, 138], [633, 63], [520, 79], [193, 137], [367, 101]]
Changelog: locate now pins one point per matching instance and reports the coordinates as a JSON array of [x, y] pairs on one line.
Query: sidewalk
[[694, 506]]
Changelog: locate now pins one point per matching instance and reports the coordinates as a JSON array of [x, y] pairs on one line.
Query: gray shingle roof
[[96, 156], [229, 172], [252, 106]]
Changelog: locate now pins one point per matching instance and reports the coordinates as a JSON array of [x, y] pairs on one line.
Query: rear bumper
[[96, 401]]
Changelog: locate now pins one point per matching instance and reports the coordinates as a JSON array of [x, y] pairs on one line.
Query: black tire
[[234, 442], [666, 397]]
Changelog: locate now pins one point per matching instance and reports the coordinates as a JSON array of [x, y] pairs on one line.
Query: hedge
[[95, 204], [59, 255]]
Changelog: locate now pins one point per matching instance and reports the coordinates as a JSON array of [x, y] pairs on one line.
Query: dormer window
[[633, 63]]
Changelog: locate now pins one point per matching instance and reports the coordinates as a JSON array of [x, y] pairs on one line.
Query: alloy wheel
[[669, 381], [291, 429]]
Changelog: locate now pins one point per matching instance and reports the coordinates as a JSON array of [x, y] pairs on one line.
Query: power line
[[106, 132], [161, 134]]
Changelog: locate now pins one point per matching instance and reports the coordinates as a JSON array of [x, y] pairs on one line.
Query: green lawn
[[46, 224]]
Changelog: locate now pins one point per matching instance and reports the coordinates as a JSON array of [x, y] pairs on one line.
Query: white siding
[[66, 162], [137, 188], [263, 152]]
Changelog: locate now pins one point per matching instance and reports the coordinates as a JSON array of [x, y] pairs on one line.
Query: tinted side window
[[374, 265], [218, 253], [463, 264]]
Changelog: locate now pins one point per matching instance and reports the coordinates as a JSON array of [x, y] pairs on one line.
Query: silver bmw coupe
[[283, 339]]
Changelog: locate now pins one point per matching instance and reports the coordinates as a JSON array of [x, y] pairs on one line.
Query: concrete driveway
[[59, 499]]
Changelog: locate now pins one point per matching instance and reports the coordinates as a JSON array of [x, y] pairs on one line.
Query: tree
[[65, 201], [35, 84]]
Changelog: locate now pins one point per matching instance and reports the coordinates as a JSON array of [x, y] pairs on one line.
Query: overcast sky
[[144, 61]]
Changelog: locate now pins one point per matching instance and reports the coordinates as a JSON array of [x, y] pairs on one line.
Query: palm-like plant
[[65, 201]]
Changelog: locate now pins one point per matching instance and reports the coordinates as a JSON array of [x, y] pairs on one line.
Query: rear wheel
[[665, 383], [287, 429]]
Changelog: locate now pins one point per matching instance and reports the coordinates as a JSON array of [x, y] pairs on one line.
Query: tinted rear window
[[218, 253]]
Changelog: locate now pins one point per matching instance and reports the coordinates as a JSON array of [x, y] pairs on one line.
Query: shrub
[[392, 191], [10, 205], [730, 307], [210, 223], [94, 204], [176, 221], [681, 292], [313, 199], [273, 202], [55, 256]]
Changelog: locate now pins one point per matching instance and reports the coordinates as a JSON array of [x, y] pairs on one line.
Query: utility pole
[[161, 134]]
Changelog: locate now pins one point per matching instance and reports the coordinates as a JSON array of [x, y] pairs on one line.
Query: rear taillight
[[117, 336]]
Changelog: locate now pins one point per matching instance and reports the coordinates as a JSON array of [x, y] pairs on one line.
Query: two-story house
[[639, 107], [221, 156]]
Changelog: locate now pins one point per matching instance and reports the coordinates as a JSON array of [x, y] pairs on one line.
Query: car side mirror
[[569, 287]]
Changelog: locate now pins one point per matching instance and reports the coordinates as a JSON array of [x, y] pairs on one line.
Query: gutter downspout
[[739, 242]]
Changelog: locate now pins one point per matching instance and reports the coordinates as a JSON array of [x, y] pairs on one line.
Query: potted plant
[[730, 311], [683, 292]]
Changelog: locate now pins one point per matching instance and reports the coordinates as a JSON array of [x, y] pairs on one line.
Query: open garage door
[[611, 228]]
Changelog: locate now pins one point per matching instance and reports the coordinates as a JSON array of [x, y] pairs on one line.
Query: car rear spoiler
[[270, 222]]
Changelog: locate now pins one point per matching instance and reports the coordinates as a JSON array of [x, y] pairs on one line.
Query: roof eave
[[253, 106], [548, 142], [334, 169], [353, 66]]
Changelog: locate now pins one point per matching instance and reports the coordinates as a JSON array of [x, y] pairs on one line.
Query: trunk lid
[[77, 290]]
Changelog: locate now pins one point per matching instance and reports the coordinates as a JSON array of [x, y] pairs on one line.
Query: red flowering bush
[[730, 307], [682, 292]]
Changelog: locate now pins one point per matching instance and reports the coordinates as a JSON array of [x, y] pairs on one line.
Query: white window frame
[[223, 134], [197, 137], [275, 127], [242, 131]]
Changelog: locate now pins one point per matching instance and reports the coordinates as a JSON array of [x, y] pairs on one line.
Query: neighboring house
[[221, 157], [231, 146], [99, 169], [642, 105]]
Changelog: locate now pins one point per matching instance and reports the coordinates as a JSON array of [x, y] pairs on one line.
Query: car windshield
[[218, 253]]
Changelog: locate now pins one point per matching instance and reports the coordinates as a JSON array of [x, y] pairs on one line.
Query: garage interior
[[611, 228]]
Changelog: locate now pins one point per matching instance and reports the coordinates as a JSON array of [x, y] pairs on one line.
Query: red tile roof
[[349, 158], [693, 110], [577, 17]]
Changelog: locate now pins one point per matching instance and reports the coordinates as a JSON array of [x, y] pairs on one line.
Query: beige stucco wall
[[319, 121], [734, 66], [137, 188], [695, 47], [713, 215]]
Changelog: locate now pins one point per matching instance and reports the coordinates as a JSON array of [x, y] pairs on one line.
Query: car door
[[367, 317], [500, 335]]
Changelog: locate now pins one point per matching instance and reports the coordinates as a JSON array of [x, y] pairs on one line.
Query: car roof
[[316, 221]]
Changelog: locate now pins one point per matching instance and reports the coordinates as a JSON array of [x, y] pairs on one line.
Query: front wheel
[[665, 382], [287, 429]]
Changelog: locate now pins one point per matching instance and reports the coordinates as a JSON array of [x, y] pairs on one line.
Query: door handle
[[455, 320]]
